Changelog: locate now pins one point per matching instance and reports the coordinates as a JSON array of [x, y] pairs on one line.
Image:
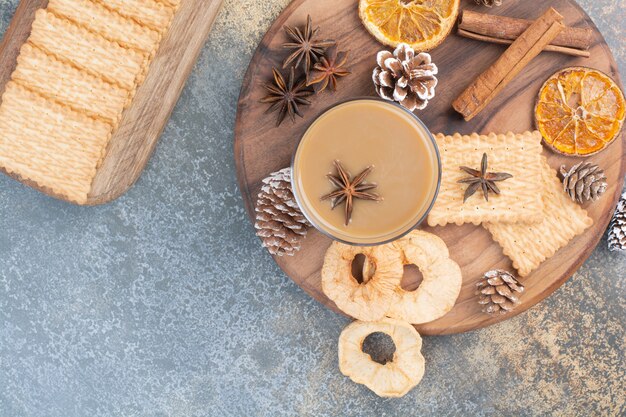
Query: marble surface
[[163, 303]]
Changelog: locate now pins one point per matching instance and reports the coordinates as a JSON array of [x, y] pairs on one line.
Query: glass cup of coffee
[[397, 155]]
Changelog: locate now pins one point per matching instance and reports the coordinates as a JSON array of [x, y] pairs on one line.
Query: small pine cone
[[617, 228], [489, 3], [405, 77], [279, 222], [584, 181], [498, 292]]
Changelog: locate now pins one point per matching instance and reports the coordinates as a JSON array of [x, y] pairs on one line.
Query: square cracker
[[517, 154], [67, 85], [528, 245], [49, 144], [150, 13], [110, 25], [86, 50]]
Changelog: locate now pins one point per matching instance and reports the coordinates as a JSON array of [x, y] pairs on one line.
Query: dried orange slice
[[423, 24], [579, 111]]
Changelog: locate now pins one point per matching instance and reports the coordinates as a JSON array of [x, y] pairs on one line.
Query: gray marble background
[[163, 303]]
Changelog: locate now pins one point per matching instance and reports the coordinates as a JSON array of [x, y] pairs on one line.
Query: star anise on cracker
[[286, 96], [330, 67], [482, 179], [306, 47], [350, 189]]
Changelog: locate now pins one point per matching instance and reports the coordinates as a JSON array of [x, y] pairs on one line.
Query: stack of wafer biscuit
[[76, 73], [531, 218]]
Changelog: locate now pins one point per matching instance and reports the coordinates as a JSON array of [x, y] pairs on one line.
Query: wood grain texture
[[133, 142], [261, 148]]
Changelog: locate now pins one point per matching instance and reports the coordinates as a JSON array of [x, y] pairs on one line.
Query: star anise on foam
[[286, 96], [305, 45], [330, 67], [482, 179], [350, 189]]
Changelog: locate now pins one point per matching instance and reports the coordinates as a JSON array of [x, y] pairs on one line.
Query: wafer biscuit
[[108, 24], [86, 50], [49, 144], [528, 245], [150, 13], [517, 154], [67, 85]]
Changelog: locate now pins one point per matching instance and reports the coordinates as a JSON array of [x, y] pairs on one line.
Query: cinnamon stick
[[502, 27], [550, 48], [527, 46]]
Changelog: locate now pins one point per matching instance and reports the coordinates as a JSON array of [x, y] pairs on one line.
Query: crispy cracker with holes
[[516, 154], [528, 245], [87, 51], [150, 13], [66, 84], [108, 24], [48, 143]]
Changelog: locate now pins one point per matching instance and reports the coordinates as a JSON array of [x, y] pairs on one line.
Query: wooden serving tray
[[261, 148], [143, 121]]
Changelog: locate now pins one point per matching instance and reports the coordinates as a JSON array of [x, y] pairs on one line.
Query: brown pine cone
[[617, 228], [489, 3], [279, 222], [498, 291], [584, 181], [405, 77]]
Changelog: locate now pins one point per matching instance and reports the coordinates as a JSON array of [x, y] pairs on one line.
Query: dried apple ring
[[370, 300], [441, 282], [394, 378]]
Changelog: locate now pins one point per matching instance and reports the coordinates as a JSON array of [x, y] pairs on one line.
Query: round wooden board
[[261, 148]]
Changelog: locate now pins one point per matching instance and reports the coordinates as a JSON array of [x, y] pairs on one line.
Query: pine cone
[[617, 228], [584, 181], [405, 77], [497, 292], [279, 222], [489, 3]]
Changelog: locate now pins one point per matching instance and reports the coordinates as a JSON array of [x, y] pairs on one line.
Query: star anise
[[349, 189], [482, 179], [286, 97], [306, 47], [328, 69]]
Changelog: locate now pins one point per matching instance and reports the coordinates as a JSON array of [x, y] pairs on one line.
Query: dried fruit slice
[[369, 300], [441, 282], [421, 24], [394, 378], [579, 111]]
